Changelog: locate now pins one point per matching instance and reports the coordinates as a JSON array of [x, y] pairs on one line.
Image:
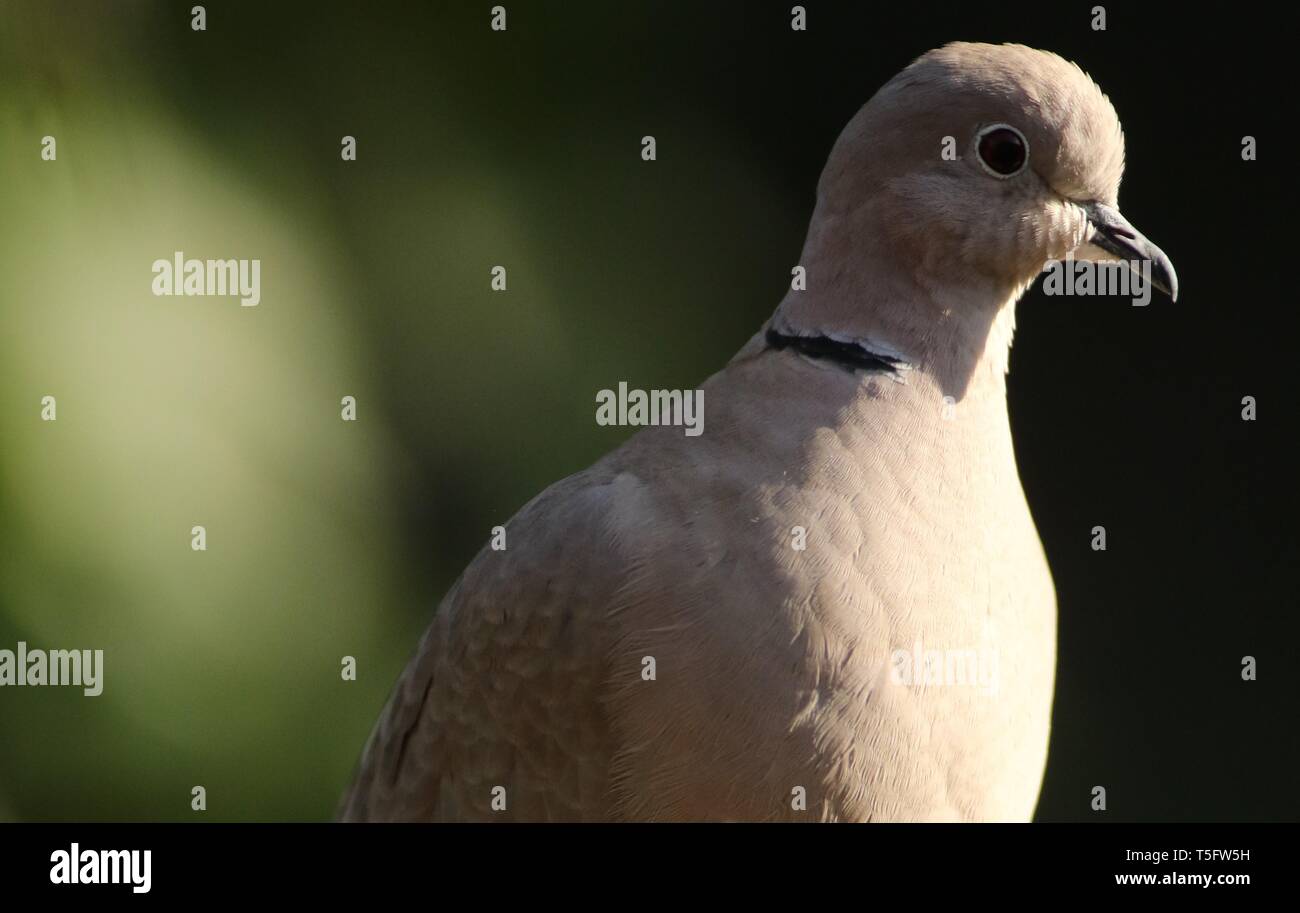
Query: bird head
[[986, 160]]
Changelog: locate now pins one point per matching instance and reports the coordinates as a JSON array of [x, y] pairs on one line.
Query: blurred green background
[[475, 148]]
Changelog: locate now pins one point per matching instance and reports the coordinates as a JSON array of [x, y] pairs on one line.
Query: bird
[[833, 604]]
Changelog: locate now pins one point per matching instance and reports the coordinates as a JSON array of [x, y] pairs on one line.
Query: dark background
[[522, 148]]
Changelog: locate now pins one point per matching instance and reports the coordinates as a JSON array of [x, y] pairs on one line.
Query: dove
[[832, 605]]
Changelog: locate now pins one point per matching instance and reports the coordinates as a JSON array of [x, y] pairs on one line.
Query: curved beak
[[1112, 233]]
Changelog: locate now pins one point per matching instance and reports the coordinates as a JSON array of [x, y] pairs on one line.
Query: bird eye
[[1002, 150]]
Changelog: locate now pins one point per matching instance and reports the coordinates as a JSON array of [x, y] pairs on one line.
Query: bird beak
[[1112, 233]]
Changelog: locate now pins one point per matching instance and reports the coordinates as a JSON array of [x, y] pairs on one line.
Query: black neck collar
[[850, 356]]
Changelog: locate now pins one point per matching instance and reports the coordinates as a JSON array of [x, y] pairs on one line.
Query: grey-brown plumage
[[776, 693]]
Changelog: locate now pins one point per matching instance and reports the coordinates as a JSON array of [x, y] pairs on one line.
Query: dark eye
[[1002, 150]]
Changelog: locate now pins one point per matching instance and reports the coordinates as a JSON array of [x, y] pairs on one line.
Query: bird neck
[[958, 337]]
